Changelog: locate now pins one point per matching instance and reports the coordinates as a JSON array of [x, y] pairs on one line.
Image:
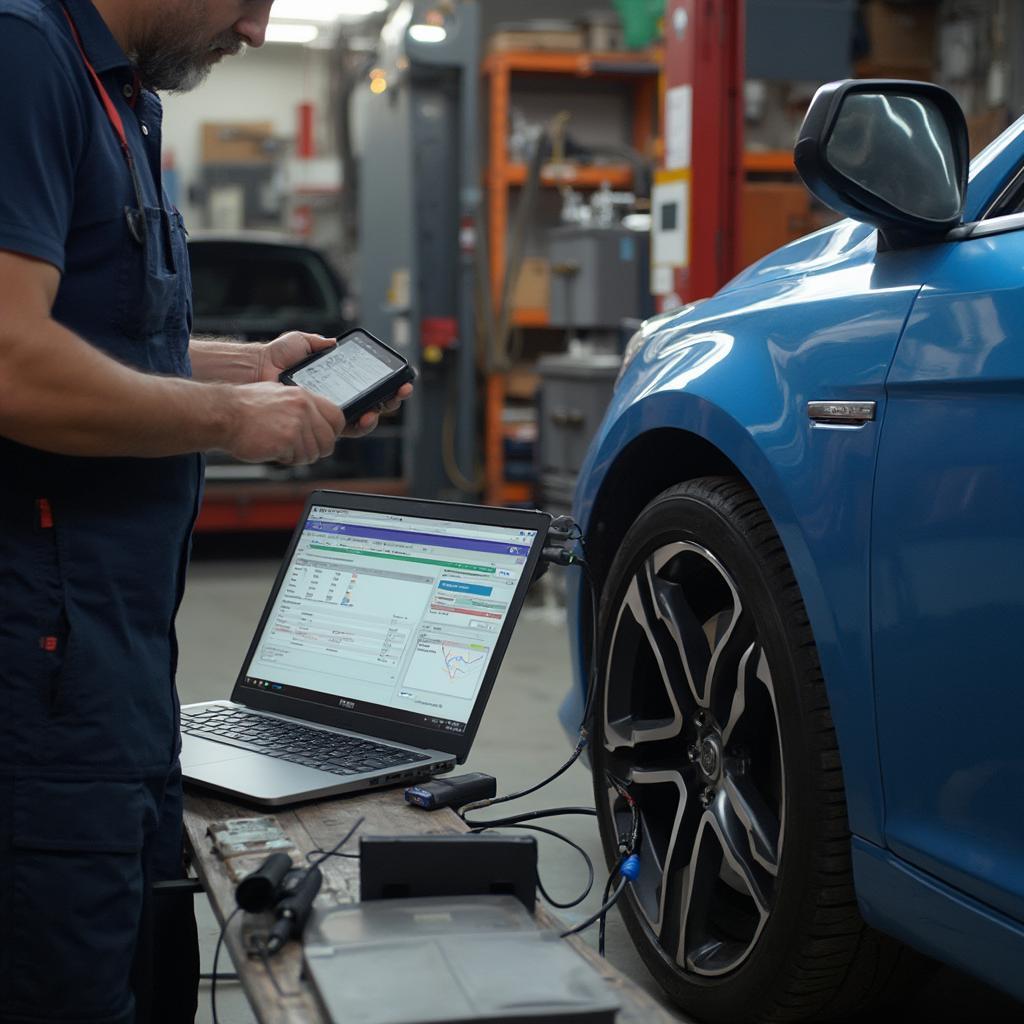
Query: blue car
[[804, 517]]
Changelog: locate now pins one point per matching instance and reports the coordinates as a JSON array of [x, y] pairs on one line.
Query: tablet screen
[[355, 366]]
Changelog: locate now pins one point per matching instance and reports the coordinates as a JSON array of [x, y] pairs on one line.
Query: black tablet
[[357, 374]]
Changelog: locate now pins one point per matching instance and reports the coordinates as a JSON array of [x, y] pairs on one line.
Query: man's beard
[[177, 55]]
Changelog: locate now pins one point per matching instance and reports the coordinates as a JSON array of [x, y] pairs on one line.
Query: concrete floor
[[519, 742]]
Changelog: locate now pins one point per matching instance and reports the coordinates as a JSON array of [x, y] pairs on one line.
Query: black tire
[[772, 931]]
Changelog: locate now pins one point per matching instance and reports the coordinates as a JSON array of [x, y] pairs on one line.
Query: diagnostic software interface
[[391, 615], [356, 365]]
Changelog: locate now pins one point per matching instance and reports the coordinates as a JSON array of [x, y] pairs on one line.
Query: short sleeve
[[40, 136]]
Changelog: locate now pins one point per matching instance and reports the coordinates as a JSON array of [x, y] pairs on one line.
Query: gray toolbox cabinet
[[598, 276], [574, 393]]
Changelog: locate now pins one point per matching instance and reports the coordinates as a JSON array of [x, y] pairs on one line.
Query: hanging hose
[[517, 252]]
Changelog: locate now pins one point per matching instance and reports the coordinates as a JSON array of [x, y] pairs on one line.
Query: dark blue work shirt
[[92, 550]]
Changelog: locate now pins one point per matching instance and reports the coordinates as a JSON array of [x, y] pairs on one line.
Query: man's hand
[[274, 423], [283, 353]]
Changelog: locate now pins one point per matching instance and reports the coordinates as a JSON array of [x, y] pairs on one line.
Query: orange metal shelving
[[769, 162], [556, 175], [640, 72]]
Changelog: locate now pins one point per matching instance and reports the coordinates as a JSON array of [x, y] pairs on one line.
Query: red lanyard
[[136, 224]]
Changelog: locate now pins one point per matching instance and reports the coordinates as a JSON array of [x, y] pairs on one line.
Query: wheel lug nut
[[699, 718], [693, 753], [707, 796]]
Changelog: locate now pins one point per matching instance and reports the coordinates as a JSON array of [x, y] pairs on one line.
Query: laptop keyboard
[[328, 751]]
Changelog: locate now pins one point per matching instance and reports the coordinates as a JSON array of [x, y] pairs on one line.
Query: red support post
[[696, 240]]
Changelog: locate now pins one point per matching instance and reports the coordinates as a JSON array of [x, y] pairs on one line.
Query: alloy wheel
[[691, 727]]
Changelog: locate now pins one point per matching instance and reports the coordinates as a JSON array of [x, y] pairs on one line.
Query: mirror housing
[[888, 153]]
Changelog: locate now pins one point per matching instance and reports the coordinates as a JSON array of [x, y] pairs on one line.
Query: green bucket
[[640, 21]]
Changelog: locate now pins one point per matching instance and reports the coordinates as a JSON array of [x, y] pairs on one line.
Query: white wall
[[264, 85]]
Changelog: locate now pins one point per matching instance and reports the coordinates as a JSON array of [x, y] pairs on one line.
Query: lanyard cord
[[136, 220]]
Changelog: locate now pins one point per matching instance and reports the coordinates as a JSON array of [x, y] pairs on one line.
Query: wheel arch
[[667, 456], [658, 458]]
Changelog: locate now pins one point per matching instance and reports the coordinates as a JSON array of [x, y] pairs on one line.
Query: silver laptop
[[375, 654]]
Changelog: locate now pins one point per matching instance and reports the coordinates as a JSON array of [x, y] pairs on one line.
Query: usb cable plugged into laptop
[[452, 791]]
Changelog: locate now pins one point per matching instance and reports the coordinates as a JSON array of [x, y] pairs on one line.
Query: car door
[[948, 576]]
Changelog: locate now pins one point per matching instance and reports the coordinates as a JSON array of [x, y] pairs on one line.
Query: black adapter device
[[452, 792]]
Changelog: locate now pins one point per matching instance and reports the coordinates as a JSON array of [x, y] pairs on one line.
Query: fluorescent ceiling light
[[283, 32], [324, 12], [428, 33]]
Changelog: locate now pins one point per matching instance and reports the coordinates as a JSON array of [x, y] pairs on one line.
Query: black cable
[[564, 529], [565, 839], [216, 958], [333, 851], [605, 907], [604, 899], [477, 804], [264, 955], [588, 705], [514, 819], [312, 853], [627, 846]]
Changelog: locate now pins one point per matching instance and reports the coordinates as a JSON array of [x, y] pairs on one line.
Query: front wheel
[[712, 715]]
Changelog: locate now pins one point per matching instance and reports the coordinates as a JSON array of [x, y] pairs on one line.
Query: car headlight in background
[[633, 347]]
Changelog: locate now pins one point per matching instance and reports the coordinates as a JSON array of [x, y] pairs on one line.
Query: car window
[[1010, 200], [239, 280]]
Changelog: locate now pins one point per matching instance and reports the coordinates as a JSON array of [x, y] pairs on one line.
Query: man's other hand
[[367, 423], [283, 353]]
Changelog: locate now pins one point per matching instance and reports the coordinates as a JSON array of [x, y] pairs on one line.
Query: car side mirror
[[891, 154]]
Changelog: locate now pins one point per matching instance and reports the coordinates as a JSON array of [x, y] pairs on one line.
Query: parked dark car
[[255, 286]]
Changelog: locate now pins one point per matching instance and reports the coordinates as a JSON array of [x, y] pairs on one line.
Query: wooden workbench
[[320, 826]]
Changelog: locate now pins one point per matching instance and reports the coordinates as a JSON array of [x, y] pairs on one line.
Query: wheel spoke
[[758, 820], [697, 943], [682, 623], [751, 671], [733, 836], [640, 610], [730, 666]]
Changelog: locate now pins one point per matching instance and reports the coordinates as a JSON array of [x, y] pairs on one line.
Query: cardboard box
[[902, 35], [503, 42], [533, 286], [238, 142], [983, 128], [521, 383]]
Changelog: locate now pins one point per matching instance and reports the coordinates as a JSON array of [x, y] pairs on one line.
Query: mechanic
[[100, 426]]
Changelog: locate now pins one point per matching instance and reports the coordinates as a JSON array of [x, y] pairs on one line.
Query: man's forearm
[[60, 394], [227, 362]]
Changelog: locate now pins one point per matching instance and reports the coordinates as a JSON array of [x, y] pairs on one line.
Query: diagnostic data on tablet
[[354, 367]]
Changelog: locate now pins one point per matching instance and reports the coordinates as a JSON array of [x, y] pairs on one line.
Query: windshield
[[243, 280]]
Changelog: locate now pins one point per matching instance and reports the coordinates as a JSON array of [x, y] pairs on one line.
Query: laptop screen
[[390, 615]]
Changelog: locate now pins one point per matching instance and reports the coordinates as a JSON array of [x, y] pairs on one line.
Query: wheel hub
[[711, 757]]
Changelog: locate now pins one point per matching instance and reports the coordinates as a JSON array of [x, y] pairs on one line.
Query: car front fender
[[729, 392]]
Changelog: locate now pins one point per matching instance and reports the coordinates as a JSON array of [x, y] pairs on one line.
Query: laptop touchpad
[[195, 751]]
